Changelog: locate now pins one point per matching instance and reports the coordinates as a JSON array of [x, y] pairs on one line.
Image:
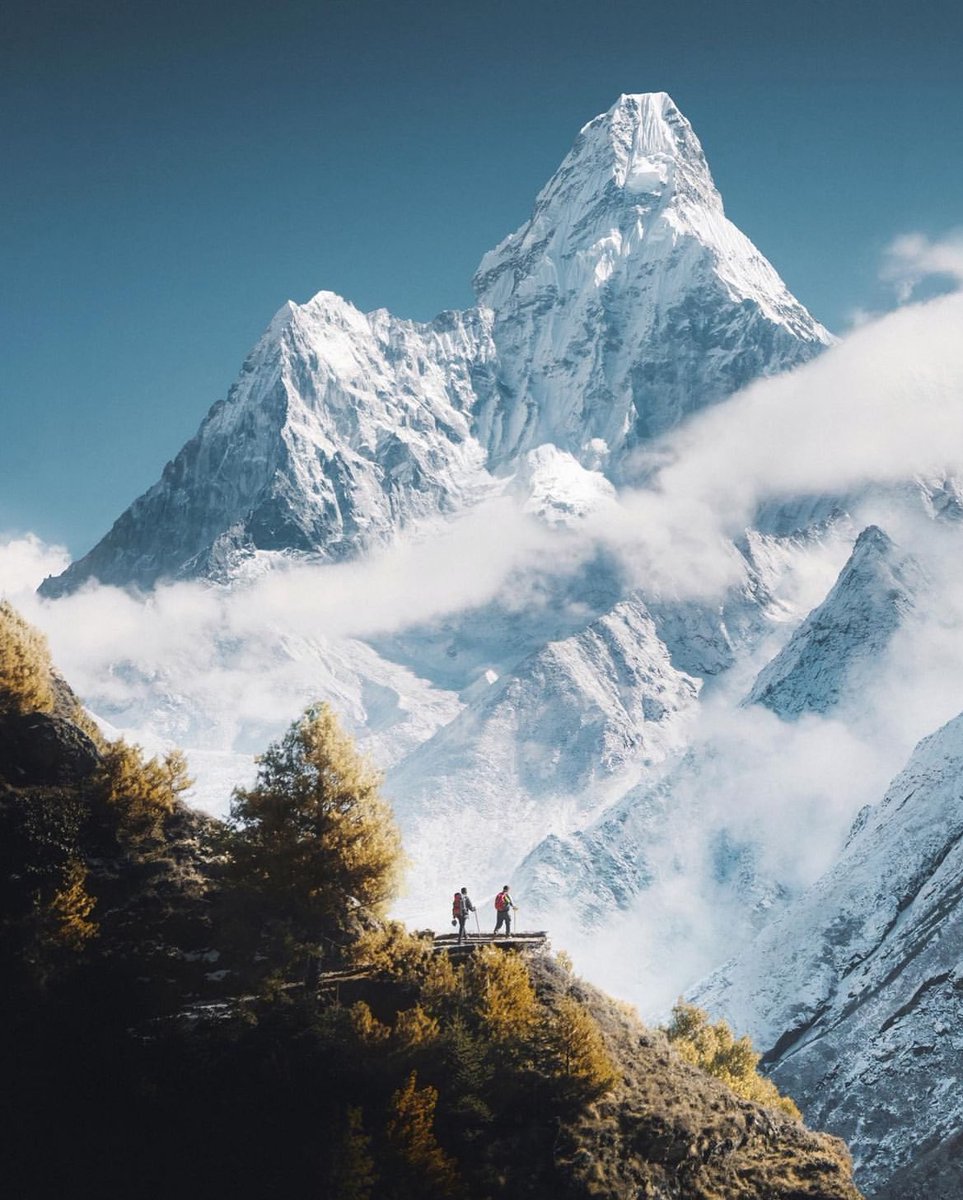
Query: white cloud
[[881, 407], [914, 257], [25, 561]]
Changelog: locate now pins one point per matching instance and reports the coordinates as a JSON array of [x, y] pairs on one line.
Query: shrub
[[25, 670], [716, 1050]]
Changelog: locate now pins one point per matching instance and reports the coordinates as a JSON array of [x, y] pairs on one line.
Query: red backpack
[[501, 902], [456, 905]]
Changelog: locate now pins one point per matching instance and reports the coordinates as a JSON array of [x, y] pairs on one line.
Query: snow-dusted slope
[[830, 654], [574, 724], [857, 991], [341, 429], [626, 302]]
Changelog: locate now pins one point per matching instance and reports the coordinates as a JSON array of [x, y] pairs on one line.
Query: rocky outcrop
[[39, 749]]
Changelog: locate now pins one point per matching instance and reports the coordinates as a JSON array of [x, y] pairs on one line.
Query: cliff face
[[153, 1043]]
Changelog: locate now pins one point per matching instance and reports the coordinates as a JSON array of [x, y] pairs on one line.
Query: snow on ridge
[[856, 990], [828, 656]]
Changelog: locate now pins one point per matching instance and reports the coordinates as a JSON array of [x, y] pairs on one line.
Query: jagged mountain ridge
[[857, 989], [625, 303], [829, 654], [556, 736], [628, 300]]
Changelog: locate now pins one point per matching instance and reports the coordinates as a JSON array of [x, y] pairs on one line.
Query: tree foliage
[[71, 907], [499, 990], [425, 1168], [25, 669], [715, 1049], [352, 1175], [141, 791], [314, 834], [577, 1050]]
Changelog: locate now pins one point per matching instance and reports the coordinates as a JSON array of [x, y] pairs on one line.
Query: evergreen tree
[[499, 991], [71, 908], [313, 836], [425, 1169], [577, 1051], [141, 792], [25, 668], [352, 1174]]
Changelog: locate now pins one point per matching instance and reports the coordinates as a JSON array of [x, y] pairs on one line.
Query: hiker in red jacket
[[461, 906], [503, 907]]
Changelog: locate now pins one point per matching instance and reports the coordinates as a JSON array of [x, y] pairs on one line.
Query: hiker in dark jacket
[[461, 906], [503, 907]]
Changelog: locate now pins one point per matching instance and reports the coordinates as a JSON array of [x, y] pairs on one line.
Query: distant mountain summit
[[626, 302]]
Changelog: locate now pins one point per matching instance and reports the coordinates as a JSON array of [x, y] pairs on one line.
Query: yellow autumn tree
[[366, 1026], [141, 791], [715, 1049], [577, 1050], [25, 670], [414, 1028], [499, 991], [314, 833], [389, 949], [425, 1168], [71, 907]]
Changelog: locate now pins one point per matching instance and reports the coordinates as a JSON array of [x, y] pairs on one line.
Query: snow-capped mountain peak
[[628, 299], [626, 302]]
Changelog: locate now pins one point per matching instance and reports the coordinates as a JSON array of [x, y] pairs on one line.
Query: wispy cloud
[[914, 257]]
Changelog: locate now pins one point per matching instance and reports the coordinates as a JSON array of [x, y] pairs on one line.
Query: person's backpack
[[501, 902], [456, 905]]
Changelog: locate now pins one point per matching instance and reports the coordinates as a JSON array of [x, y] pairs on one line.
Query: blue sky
[[174, 172]]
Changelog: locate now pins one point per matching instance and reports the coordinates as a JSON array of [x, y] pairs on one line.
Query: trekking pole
[[477, 926]]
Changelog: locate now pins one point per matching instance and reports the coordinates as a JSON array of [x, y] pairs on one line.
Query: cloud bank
[[225, 670]]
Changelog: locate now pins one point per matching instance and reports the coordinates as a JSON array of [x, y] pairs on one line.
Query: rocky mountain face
[[551, 740], [855, 991], [828, 655], [626, 302]]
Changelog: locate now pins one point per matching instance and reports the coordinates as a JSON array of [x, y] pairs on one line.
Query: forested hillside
[[221, 1009]]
